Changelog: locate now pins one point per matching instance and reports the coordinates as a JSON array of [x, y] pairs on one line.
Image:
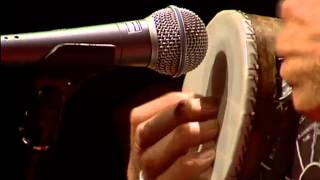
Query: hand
[[165, 134], [299, 44]]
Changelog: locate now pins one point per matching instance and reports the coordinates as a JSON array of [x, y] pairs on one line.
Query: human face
[[299, 44]]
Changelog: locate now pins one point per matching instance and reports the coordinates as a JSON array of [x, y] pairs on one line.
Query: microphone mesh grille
[[168, 34], [169, 41], [197, 40]]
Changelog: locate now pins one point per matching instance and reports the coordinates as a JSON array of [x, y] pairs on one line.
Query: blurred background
[[92, 138]]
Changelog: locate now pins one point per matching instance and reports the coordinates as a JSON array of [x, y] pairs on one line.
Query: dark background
[[23, 16], [93, 140]]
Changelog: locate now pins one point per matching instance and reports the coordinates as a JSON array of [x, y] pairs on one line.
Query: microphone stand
[[57, 78]]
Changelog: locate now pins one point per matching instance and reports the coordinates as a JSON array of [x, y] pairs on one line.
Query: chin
[[314, 115], [307, 104]]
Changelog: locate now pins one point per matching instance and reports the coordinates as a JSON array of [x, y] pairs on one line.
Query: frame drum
[[241, 70]]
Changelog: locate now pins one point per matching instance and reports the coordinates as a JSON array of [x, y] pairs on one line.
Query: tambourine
[[257, 121]]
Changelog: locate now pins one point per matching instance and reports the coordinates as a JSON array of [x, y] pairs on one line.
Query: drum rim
[[247, 41]]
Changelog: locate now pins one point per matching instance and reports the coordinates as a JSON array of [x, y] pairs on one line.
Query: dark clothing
[[307, 152]]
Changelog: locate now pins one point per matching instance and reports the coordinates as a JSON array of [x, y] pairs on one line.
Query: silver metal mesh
[[169, 36], [197, 40]]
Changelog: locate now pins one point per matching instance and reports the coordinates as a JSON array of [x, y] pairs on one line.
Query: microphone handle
[[130, 44]]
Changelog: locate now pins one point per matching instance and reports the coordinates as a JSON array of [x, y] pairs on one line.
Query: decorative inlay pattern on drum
[[254, 78]]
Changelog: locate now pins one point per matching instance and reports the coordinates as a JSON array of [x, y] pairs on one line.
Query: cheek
[[302, 103], [299, 100], [287, 8], [306, 98], [314, 115]]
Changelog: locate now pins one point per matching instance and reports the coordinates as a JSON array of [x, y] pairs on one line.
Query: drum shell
[[275, 122], [267, 125]]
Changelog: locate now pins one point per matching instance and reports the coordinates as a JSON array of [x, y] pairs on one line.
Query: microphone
[[171, 41]]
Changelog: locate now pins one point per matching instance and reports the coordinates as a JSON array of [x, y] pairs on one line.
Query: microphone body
[[132, 42], [171, 41]]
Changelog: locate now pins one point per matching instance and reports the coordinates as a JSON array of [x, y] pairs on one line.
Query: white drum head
[[228, 72]]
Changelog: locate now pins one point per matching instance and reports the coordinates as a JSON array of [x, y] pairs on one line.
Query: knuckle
[[140, 135], [182, 108], [135, 116], [188, 110]]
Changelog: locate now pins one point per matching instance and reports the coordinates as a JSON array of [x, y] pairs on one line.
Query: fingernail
[[207, 154], [204, 105], [141, 175], [210, 126], [209, 103], [190, 106], [208, 145]]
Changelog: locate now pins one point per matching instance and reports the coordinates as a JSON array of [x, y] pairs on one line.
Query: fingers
[[143, 113], [149, 109], [164, 129], [149, 131], [206, 175], [188, 167], [187, 110], [158, 157], [202, 147]]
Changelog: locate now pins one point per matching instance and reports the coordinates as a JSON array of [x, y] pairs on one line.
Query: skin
[[165, 134], [299, 44]]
